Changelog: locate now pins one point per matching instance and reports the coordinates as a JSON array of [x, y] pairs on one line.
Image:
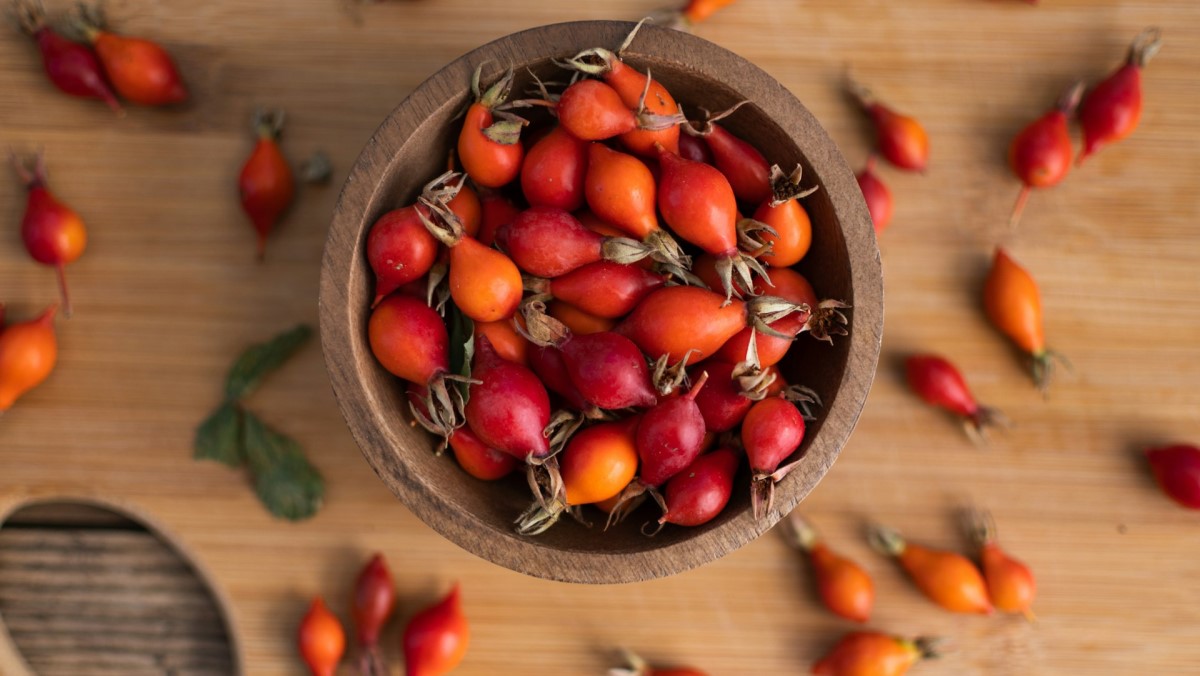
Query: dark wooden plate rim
[[344, 344]]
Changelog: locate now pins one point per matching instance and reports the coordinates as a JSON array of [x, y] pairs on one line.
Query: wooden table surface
[[168, 292]]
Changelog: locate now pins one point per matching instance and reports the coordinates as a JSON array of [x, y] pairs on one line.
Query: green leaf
[[218, 437], [261, 443], [462, 346], [292, 488], [286, 483], [259, 360]]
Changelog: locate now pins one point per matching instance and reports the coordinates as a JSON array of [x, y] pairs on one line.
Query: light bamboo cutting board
[[168, 292]]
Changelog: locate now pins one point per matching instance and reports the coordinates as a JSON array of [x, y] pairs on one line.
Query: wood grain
[[168, 293], [85, 591], [405, 153]]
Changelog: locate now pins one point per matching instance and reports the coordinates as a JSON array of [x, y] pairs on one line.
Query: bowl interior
[[411, 147]]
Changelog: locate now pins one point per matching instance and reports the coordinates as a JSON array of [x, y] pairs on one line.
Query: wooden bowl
[[410, 147]]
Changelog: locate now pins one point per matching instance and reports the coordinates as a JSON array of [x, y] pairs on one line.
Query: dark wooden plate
[[410, 147], [88, 589]]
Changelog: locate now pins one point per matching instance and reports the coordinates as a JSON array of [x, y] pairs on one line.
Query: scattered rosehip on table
[[53, 233], [692, 13], [1040, 155], [139, 69], [321, 639], [435, 639], [1013, 304], [1177, 470], [1010, 583], [639, 667], [71, 67], [28, 353], [698, 11], [877, 195], [938, 382], [843, 586], [266, 184], [901, 139], [946, 578], [372, 604], [870, 653], [1111, 110]]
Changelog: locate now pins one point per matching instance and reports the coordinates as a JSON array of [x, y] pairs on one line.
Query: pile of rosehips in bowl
[[603, 296]]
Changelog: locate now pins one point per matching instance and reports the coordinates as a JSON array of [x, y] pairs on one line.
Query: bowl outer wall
[[372, 421]]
